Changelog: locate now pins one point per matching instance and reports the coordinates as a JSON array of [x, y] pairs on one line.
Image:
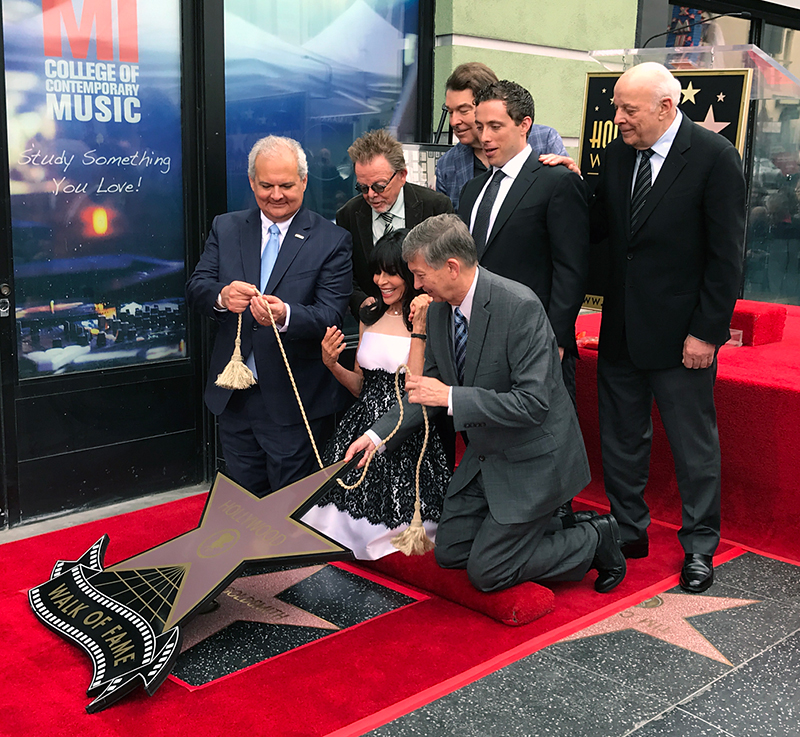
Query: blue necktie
[[460, 335], [269, 255], [268, 258]]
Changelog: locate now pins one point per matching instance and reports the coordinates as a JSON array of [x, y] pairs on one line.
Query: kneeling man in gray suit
[[491, 361]]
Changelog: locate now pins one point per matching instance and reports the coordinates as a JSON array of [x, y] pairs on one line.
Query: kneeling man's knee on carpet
[[490, 578], [449, 557]]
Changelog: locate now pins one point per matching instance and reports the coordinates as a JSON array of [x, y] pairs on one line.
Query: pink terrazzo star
[[665, 618], [252, 599]]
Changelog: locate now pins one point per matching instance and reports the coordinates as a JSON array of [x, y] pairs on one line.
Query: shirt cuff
[[218, 304], [376, 441], [283, 328], [450, 402]]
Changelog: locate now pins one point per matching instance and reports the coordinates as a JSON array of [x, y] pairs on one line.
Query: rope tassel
[[236, 375]]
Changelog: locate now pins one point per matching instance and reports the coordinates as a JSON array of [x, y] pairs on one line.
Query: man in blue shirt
[[466, 159]]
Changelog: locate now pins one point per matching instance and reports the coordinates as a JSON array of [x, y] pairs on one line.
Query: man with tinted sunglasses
[[385, 202]]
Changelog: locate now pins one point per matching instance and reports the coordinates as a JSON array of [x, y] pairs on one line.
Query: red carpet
[[758, 414], [359, 674]]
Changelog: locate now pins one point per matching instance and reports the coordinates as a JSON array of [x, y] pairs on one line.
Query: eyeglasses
[[377, 188]]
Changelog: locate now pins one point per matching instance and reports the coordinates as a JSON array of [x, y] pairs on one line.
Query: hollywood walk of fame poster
[[717, 99], [128, 617]]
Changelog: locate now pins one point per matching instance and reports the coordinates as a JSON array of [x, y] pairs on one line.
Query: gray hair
[[273, 144], [439, 238]]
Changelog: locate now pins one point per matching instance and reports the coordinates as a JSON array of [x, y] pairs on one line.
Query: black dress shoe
[[575, 518], [565, 510], [697, 573], [608, 558], [639, 548]]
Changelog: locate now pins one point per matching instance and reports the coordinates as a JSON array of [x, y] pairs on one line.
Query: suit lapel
[[625, 173], [522, 183], [470, 195], [251, 248], [294, 240], [478, 325], [441, 336], [412, 206], [364, 227], [669, 171]]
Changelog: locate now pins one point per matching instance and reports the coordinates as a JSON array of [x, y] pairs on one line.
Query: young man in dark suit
[[530, 222], [281, 254]]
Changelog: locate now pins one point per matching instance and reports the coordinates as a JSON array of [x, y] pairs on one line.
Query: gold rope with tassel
[[236, 375], [413, 540]]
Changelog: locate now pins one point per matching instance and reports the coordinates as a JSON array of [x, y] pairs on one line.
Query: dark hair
[[387, 255], [519, 103], [470, 76]]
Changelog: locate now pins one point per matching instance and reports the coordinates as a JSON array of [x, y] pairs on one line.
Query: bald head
[[646, 99]]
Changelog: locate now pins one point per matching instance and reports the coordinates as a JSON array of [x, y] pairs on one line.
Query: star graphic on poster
[[253, 599], [689, 93], [721, 97], [236, 527], [710, 123], [665, 618]]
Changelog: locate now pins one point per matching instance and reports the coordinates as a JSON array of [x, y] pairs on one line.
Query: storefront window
[[322, 72], [772, 266], [94, 147]]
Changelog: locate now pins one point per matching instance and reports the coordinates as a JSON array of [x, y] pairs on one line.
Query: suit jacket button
[[481, 458], [630, 257], [255, 327]]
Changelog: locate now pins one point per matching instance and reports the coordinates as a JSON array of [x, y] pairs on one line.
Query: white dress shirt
[[511, 169], [398, 211]]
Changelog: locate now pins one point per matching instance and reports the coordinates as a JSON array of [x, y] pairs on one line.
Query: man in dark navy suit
[[282, 255]]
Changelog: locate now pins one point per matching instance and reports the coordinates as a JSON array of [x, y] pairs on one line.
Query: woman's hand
[[332, 346], [418, 312]]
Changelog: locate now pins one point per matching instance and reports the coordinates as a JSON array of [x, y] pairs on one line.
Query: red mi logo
[[59, 15]]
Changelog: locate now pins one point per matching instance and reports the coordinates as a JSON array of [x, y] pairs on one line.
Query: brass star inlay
[[721, 97], [665, 618]]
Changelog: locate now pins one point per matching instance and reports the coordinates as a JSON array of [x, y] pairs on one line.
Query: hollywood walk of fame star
[[253, 599], [689, 93], [721, 97], [710, 123], [665, 618], [236, 527]]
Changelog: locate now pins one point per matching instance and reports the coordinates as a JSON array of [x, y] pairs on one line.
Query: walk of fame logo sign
[[128, 617]]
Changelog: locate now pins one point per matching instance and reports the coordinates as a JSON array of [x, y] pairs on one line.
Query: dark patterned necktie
[[460, 335], [644, 180], [387, 218], [480, 230]]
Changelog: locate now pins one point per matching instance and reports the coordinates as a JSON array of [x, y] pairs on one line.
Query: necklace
[[395, 312]]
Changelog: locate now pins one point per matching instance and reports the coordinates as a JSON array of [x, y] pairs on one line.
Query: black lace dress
[[366, 518]]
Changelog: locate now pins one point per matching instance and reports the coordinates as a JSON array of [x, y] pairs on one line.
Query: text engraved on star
[[665, 618], [254, 599]]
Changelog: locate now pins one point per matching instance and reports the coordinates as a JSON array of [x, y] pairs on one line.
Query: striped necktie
[[387, 218], [460, 335], [642, 186]]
